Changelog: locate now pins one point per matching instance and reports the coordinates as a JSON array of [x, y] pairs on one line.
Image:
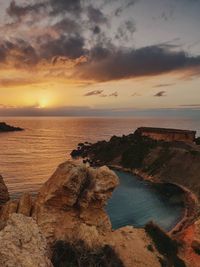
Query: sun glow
[[43, 103]]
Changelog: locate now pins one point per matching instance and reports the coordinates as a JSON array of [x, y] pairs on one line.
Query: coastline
[[190, 200]]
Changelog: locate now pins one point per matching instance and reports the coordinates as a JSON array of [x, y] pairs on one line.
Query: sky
[[105, 57]]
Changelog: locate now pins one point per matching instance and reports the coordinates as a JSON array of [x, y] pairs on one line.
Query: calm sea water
[[136, 202], [28, 158]]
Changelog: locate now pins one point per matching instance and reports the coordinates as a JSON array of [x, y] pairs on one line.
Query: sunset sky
[[105, 57]]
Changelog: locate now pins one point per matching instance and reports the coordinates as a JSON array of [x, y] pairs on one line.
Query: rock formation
[[22, 244], [73, 196], [68, 218], [4, 195], [7, 128], [159, 159]]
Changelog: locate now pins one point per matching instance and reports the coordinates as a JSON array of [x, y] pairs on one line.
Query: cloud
[[160, 94], [115, 94], [133, 63], [95, 92], [17, 11], [136, 94], [163, 85], [124, 6], [67, 46], [19, 52], [126, 30], [63, 6], [190, 105], [96, 16]]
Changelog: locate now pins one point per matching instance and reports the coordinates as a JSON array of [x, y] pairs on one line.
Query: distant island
[[8, 128]]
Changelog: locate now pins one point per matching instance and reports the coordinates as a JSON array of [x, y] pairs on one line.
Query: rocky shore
[[66, 225], [7, 128], [161, 162]]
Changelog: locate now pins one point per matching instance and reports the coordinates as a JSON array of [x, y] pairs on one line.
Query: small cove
[[136, 202]]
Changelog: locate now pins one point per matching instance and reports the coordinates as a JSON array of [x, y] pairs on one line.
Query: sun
[[43, 103]]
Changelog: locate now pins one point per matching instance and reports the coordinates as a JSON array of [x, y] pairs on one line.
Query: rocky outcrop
[[74, 196], [4, 195], [161, 160], [7, 128], [24, 206], [22, 244]]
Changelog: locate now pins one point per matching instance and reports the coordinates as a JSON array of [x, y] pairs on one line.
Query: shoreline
[[190, 200]]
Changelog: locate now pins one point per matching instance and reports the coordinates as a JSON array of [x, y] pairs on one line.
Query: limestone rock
[[133, 247], [25, 204], [74, 195], [4, 195], [22, 245], [9, 208]]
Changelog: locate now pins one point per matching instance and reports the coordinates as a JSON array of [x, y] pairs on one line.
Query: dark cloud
[[96, 16], [130, 63], [96, 30], [63, 6], [67, 25], [19, 52], [99, 53], [163, 85], [124, 6], [160, 94], [126, 30], [65, 46], [115, 94], [95, 92], [18, 11]]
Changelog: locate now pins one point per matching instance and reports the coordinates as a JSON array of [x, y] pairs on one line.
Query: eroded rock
[[22, 244], [74, 195]]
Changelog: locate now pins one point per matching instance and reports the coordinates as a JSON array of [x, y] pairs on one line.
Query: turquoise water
[[136, 202]]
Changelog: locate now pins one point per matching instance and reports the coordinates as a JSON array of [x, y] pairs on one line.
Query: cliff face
[[175, 164], [68, 219]]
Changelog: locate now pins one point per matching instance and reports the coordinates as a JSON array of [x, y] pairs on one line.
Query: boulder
[[4, 195], [74, 195], [22, 245]]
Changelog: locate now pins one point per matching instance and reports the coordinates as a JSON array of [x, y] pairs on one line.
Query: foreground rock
[[4, 195], [73, 196], [22, 244], [7, 128]]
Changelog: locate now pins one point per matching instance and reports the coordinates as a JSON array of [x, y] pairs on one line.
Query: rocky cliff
[[173, 162], [66, 223]]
